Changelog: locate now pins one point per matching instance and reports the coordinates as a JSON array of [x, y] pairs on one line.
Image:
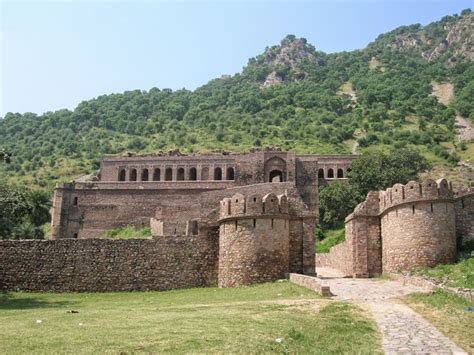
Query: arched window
[[321, 173], [340, 173], [157, 174], [330, 174], [168, 174], [193, 174], [180, 176], [145, 175], [276, 176], [133, 175], [217, 174], [121, 176], [205, 173], [230, 173]]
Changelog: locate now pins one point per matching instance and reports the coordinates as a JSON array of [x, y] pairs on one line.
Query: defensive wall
[[108, 265], [257, 237], [406, 226]]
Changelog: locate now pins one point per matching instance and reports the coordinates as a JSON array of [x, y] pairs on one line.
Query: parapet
[[377, 202], [253, 205]]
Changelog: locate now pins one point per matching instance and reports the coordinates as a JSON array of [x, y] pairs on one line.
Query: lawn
[[275, 317], [456, 275], [332, 237], [449, 314]]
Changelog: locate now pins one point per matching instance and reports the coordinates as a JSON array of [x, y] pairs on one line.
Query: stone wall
[[421, 234], [311, 282], [109, 265], [253, 239], [403, 227], [464, 209]]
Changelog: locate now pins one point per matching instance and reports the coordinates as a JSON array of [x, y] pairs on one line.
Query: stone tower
[[417, 225], [254, 238]]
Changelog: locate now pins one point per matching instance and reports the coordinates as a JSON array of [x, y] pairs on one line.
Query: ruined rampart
[[109, 265], [403, 227]]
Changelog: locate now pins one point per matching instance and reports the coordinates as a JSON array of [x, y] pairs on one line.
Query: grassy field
[[276, 317], [455, 275], [448, 313], [332, 238]]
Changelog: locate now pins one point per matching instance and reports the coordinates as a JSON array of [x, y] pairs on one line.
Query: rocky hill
[[405, 89]]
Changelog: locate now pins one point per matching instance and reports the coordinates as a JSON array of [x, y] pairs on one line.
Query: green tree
[[378, 170], [337, 200]]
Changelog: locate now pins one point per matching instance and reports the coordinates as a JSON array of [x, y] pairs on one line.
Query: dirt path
[[403, 330]]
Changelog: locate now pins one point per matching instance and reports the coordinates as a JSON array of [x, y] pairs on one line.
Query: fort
[[229, 220]]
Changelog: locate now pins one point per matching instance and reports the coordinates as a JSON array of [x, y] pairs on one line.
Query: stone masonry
[[405, 226]]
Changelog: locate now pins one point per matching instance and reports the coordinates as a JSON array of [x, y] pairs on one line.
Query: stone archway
[[275, 168], [276, 176]]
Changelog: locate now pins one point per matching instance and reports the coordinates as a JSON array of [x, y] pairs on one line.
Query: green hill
[[291, 96]]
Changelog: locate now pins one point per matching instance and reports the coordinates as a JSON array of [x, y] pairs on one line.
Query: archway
[[193, 174], [273, 165], [217, 174], [168, 174], [157, 175], [321, 173], [276, 176], [205, 173], [145, 175], [230, 173], [180, 176], [340, 173], [330, 174], [133, 175], [121, 175]]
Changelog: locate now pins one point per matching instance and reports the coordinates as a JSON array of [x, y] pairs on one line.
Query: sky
[[56, 54]]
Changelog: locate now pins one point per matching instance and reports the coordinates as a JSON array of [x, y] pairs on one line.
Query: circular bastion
[[417, 225], [253, 239]]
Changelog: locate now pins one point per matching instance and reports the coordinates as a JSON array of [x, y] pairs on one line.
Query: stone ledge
[[311, 282]]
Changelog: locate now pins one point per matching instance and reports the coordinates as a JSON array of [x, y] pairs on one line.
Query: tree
[[336, 201], [378, 170]]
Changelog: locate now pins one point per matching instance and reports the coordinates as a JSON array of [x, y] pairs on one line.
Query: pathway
[[403, 330]]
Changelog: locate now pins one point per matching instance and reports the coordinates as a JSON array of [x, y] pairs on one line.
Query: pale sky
[[56, 54]]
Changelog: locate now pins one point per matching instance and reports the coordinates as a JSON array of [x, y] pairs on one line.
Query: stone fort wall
[[254, 239], [109, 265], [417, 224]]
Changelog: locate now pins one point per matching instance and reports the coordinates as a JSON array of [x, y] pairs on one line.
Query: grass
[[332, 237], [455, 275], [211, 320], [127, 232], [448, 313]]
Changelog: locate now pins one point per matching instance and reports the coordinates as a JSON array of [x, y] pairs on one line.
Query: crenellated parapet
[[413, 191], [253, 206]]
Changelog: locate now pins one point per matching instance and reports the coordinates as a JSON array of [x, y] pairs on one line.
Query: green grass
[[127, 232], [210, 320], [332, 238], [448, 313], [455, 275]]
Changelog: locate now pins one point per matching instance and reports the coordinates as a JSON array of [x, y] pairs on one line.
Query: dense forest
[[292, 96]]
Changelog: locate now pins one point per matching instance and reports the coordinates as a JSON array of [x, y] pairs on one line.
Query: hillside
[[291, 96]]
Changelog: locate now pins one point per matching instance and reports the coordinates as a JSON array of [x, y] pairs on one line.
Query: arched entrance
[[275, 170], [276, 176]]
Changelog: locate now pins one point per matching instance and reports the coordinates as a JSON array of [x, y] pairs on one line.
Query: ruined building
[[261, 206], [229, 220]]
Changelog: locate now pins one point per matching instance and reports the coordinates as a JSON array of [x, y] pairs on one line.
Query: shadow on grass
[[8, 302]]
